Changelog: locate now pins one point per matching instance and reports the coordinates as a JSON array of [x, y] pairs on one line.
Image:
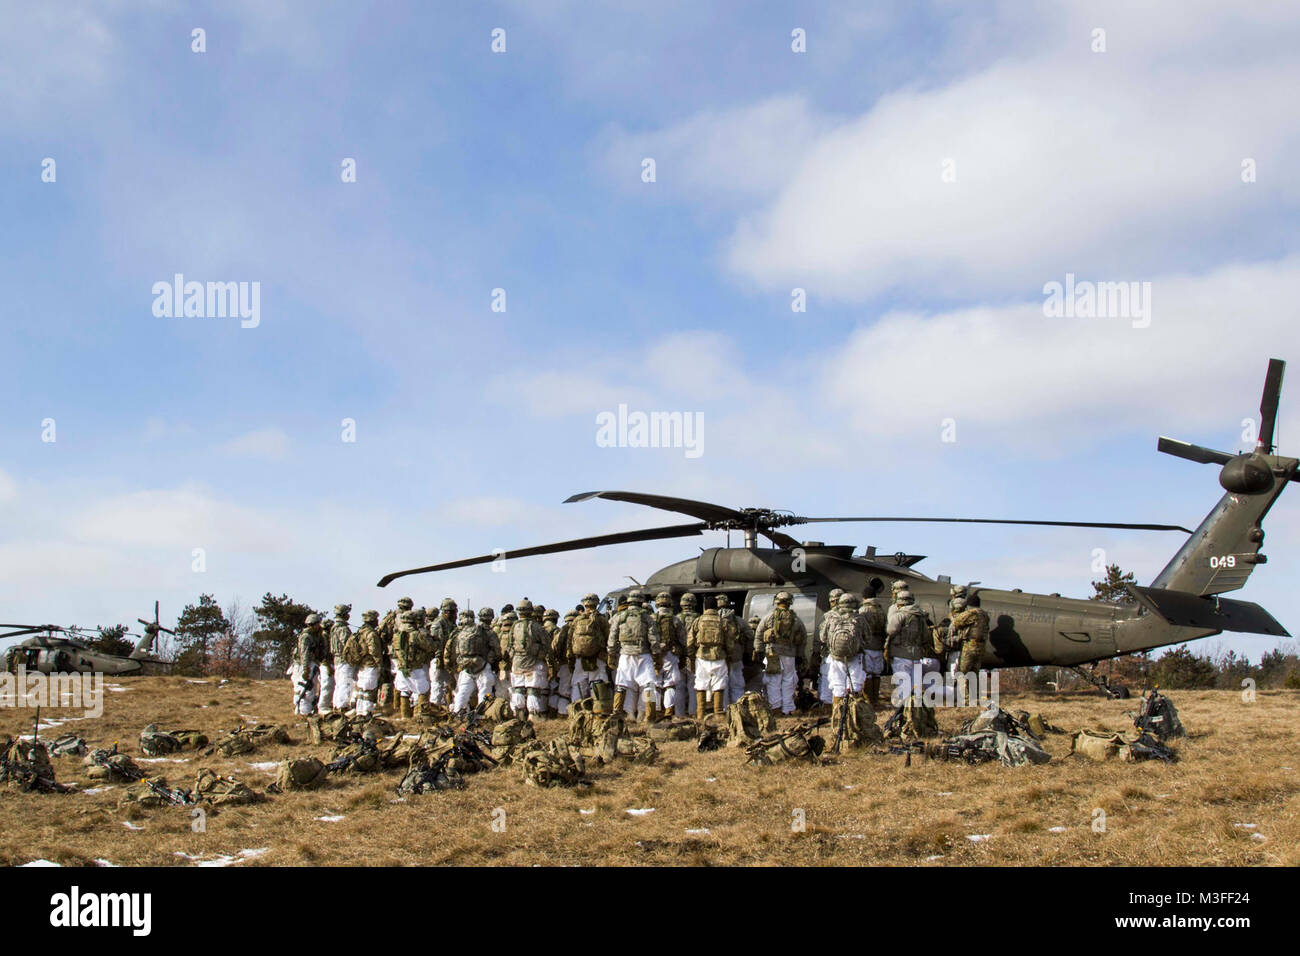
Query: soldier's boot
[[718, 706], [620, 698], [873, 691], [701, 703], [404, 709], [651, 710], [418, 709]]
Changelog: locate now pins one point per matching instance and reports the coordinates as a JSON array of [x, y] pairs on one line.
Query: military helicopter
[[66, 650], [1181, 604]]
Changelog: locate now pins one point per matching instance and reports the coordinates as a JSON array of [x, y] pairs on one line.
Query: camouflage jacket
[[441, 631], [781, 633], [471, 648], [672, 635], [412, 648], [712, 637], [745, 637], [969, 628], [310, 650], [843, 635], [873, 626], [526, 646], [339, 635], [633, 632], [365, 648], [907, 633]]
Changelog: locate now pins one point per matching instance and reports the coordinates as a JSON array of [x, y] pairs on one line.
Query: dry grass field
[[1234, 799]]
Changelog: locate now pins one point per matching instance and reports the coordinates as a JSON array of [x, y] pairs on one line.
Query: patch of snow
[[1246, 826], [979, 837], [40, 863], [641, 813], [586, 812], [162, 759], [334, 819], [945, 793], [191, 680], [225, 860], [850, 836], [937, 856], [699, 832], [266, 765], [1056, 829], [105, 863], [131, 826], [710, 779], [97, 789]]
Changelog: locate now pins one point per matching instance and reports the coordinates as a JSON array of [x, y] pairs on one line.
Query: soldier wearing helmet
[[558, 676], [635, 639], [365, 651], [309, 653], [672, 644], [345, 675], [525, 651], [472, 653], [908, 645], [689, 613], [873, 654], [740, 649], [585, 645], [823, 662], [844, 637], [780, 642], [441, 630]]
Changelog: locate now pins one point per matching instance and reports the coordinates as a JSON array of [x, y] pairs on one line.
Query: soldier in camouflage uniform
[[968, 632], [873, 654], [364, 651], [526, 653], [690, 613], [908, 642], [387, 630], [441, 630], [345, 675], [586, 640], [472, 654], [823, 665], [736, 656], [672, 645], [412, 652], [845, 640], [709, 644], [780, 644], [309, 651], [635, 639], [557, 660]]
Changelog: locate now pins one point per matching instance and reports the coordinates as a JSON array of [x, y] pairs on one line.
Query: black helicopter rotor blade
[[1054, 524], [17, 630], [696, 509], [578, 544], [1196, 453], [728, 518], [1268, 403]]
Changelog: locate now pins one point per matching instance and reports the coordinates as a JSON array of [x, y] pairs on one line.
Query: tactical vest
[[912, 640], [527, 650], [369, 647], [339, 635], [873, 626], [584, 636], [667, 625], [633, 632], [471, 648], [780, 633], [843, 637], [710, 643]]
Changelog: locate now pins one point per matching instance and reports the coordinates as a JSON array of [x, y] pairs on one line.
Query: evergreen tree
[[197, 629]]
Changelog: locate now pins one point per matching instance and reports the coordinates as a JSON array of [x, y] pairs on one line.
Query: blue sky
[[521, 170]]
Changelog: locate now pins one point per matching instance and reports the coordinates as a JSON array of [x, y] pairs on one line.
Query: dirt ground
[[1233, 799]]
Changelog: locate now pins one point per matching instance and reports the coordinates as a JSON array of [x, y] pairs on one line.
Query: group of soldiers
[[643, 658]]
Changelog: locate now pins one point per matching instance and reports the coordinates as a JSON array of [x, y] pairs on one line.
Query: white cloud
[[1011, 370], [8, 488], [270, 444], [1064, 160]]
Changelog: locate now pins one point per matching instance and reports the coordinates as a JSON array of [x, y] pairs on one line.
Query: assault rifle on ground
[[174, 795]]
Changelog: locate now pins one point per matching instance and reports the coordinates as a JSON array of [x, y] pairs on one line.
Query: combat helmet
[[783, 597], [405, 604], [485, 614], [312, 619], [370, 617], [341, 611], [466, 616], [689, 600], [551, 614]]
